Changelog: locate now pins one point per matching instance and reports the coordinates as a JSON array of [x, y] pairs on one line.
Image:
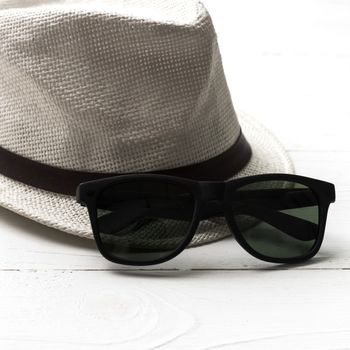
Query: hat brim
[[65, 214]]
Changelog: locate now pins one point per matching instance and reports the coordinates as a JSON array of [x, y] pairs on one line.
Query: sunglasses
[[149, 219]]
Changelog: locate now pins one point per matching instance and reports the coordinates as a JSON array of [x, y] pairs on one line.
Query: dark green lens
[[143, 221], [277, 219]]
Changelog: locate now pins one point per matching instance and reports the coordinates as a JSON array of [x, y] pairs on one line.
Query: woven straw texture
[[93, 90], [115, 86], [63, 213]]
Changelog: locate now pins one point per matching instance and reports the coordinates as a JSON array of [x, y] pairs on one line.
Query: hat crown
[[167, 11], [99, 88]]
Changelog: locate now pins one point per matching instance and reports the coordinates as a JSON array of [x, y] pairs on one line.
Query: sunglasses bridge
[[212, 199]]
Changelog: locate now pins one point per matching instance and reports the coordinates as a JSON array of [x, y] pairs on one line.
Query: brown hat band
[[64, 181]]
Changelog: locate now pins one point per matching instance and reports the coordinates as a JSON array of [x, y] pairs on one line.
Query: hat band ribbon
[[65, 181]]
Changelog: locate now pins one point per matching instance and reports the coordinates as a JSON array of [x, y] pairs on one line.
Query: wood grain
[[287, 63], [175, 310]]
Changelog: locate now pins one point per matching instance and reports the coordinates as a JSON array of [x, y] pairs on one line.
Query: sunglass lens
[[144, 221], [277, 219]]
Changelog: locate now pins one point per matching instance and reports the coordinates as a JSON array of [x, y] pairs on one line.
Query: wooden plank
[[287, 62], [275, 81], [175, 310]]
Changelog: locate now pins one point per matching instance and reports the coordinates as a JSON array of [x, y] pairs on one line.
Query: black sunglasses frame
[[324, 192]]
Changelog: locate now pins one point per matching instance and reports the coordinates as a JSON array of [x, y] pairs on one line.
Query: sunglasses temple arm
[[271, 201], [295, 227], [124, 217]]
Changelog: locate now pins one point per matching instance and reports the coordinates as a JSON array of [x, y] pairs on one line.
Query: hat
[[92, 89]]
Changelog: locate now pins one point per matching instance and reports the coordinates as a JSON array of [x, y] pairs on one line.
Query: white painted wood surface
[[287, 63]]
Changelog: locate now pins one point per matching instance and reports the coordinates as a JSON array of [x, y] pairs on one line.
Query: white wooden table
[[287, 63]]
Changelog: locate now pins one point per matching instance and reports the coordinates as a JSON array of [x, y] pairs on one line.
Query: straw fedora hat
[[91, 89]]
